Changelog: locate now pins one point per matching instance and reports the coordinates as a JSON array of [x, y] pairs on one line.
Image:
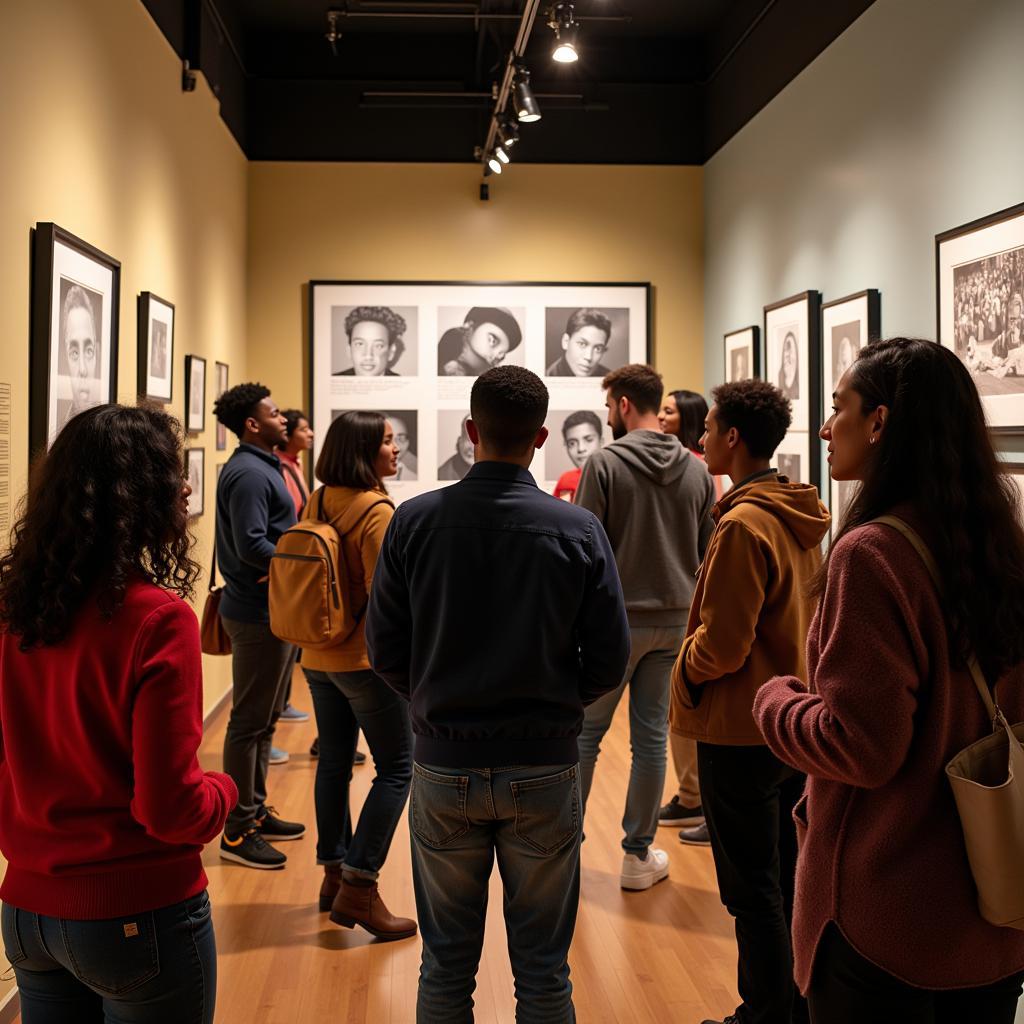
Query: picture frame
[[792, 355], [195, 394], [195, 473], [793, 458], [979, 291], [156, 348], [417, 346], [220, 385], [75, 310], [742, 350]]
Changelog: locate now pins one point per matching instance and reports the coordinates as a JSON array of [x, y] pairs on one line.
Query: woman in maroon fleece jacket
[[886, 924], [104, 809]]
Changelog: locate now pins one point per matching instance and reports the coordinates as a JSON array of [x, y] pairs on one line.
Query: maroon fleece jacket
[[881, 847], [104, 809]]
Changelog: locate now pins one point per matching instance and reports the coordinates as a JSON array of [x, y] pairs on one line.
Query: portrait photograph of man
[[79, 353], [373, 341], [453, 445], [574, 435], [585, 342]]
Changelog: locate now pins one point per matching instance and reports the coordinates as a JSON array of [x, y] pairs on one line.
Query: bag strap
[[977, 674]]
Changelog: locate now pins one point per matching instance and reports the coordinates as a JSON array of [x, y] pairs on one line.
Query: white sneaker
[[642, 874]]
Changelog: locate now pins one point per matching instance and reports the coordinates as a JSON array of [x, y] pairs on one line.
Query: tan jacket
[[750, 612], [360, 546]]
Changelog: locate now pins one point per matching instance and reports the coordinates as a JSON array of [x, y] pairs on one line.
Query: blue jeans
[[459, 820], [652, 654], [344, 703], [157, 967]]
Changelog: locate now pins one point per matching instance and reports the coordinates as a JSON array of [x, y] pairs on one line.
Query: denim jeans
[[653, 653], [261, 666], [459, 820], [344, 703], [156, 967]]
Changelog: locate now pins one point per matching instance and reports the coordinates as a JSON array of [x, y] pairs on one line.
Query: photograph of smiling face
[[80, 350], [404, 424], [373, 341], [372, 349]]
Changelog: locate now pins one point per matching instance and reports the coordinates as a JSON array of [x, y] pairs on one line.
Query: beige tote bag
[[988, 785]]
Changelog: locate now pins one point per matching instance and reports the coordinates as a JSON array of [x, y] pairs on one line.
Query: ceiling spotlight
[[567, 31], [507, 132], [526, 105], [500, 153], [495, 164], [332, 35]]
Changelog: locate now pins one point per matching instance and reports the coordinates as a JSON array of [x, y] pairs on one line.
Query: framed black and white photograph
[[195, 394], [473, 341], [585, 341], [792, 351], [979, 269], [156, 348], [742, 354], [195, 473], [412, 350], [793, 458], [220, 385], [374, 341], [573, 436], [847, 326], [74, 335]]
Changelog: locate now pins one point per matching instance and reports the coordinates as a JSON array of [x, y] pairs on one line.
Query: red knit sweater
[[881, 848], [103, 806]]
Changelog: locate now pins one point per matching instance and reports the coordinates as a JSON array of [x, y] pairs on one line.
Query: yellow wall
[[98, 137], [425, 222]]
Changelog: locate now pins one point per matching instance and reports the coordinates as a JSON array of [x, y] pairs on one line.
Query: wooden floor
[[666, 955]]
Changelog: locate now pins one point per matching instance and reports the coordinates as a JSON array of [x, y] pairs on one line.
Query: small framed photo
[[743, 354], [195, 471], [156, 348], [195, 394], [73, 355], [793, 458], [979, 271], [792, 351], [220, 385]]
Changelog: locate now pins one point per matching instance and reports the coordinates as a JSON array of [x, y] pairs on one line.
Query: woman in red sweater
[[104, 809], [886, 924]]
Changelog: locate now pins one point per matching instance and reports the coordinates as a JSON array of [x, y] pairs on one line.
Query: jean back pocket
[[548, 810], [113, 956], [437, 806]]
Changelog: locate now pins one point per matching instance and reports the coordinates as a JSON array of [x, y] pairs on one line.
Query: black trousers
[[748, 796], [847, 989]]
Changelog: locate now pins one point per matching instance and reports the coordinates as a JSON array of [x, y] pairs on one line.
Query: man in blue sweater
[[253, 509], [496, 610]]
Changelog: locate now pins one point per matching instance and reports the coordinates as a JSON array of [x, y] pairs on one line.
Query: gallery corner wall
[[906, 126], [426, 222], [99, 138]]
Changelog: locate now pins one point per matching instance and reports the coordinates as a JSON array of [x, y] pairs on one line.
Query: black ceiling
[[658, 81]]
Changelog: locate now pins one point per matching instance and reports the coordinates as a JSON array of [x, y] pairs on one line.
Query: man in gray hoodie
[[654, 500]]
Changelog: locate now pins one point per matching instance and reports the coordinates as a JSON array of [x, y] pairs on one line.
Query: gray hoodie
[[654, 500]]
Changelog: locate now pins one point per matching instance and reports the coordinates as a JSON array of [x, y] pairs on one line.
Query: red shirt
[[567, 484], [104, 809], [291, 470]]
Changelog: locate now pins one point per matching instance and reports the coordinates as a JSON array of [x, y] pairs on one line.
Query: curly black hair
[[936, 454], [104, 505], [392, 321], [237, 404], [759, 412], [508, 404]]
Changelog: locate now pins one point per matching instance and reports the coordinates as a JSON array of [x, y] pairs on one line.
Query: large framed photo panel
[[156, 348], [979, 270], [743, 354], [412, 349], [75, 307]]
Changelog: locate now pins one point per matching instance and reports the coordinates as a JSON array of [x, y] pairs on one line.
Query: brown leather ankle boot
[[362, 905], [330, 886]]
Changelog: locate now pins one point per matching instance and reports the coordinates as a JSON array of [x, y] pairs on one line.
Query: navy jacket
[[496, 610], [253, 509]]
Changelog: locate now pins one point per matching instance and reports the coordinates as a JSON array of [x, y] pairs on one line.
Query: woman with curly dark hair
[[104, 808], [886, 921]]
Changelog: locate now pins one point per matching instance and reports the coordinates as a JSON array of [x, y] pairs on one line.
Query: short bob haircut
[[759, 412], [349, 453], [508, 404]]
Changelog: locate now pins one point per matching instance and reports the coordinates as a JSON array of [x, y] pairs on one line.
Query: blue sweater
[[496, 610], [253, 509]]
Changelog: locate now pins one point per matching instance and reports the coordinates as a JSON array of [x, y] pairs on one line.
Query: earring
[[872, 440]]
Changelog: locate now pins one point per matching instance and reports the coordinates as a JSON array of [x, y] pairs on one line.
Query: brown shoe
[[330, 886], [362, 905]]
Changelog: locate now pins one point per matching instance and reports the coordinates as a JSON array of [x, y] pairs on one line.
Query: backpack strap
[[918, 544]]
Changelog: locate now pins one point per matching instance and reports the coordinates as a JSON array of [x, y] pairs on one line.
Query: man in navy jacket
[[496, 610]]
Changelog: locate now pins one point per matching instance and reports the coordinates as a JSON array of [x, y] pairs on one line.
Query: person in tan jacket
[[749, 618], [358, 453]]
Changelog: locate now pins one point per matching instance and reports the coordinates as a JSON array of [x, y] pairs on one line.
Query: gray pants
[[261, 667]]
